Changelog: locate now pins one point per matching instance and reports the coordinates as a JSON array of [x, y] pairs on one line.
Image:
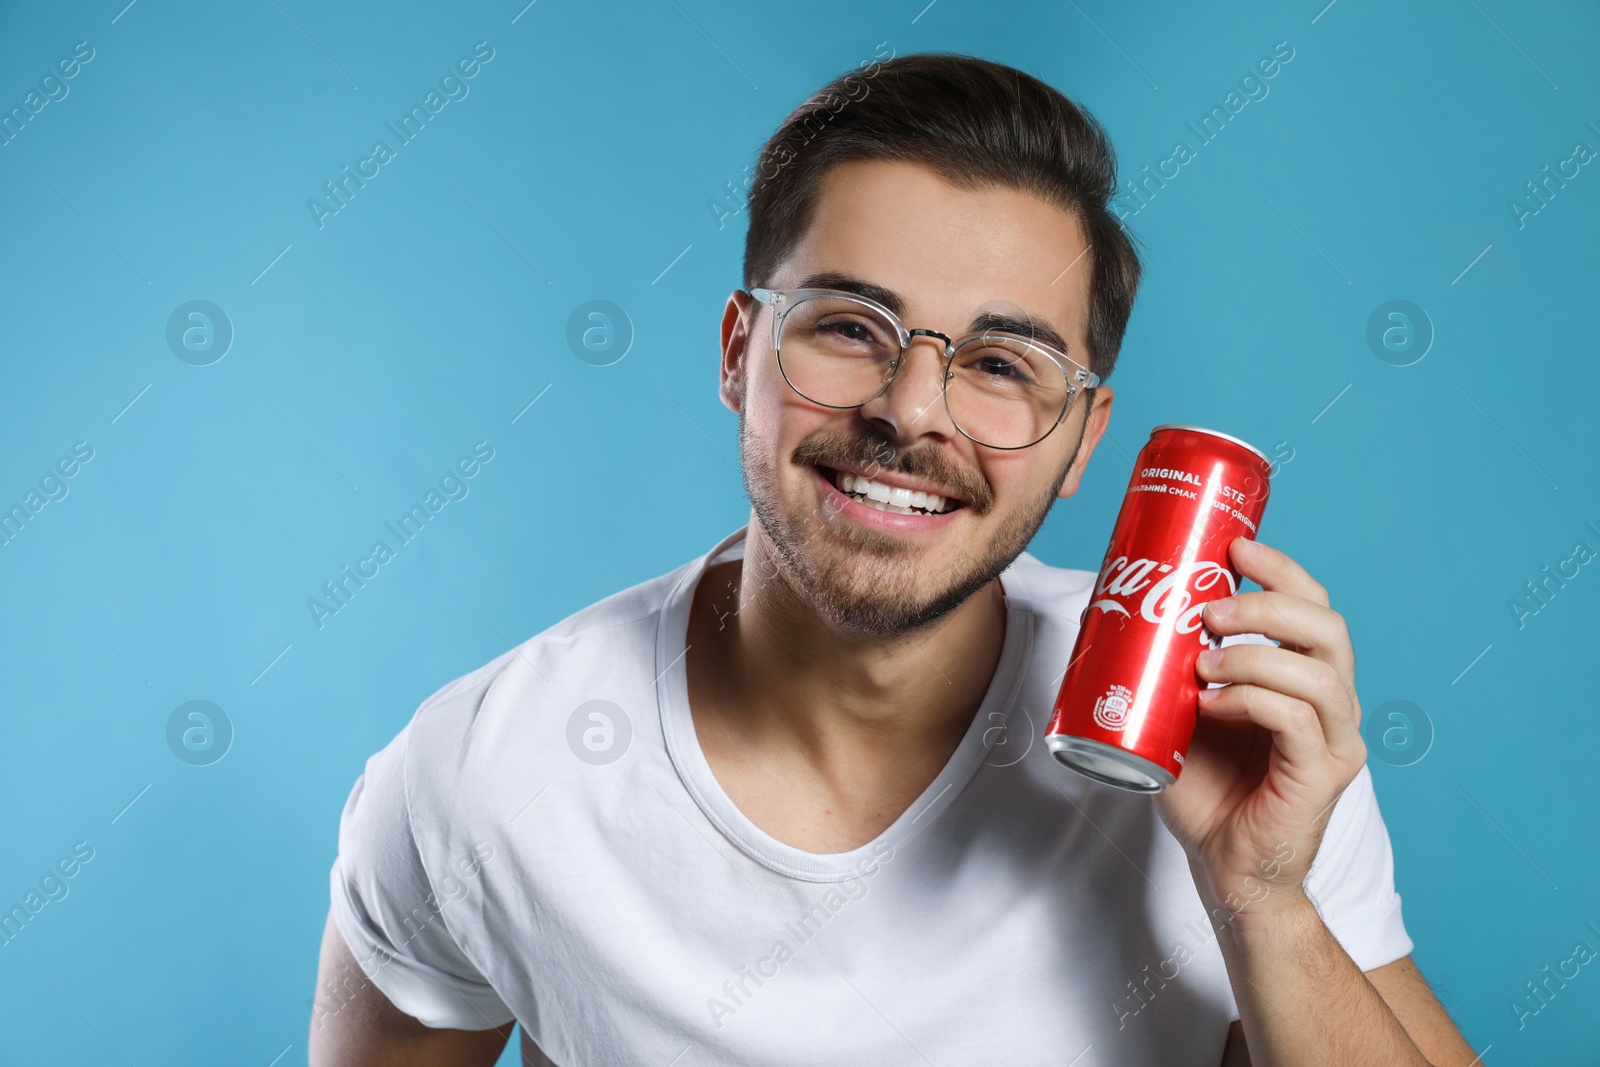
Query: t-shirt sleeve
[[1352, 879], [385, 905]]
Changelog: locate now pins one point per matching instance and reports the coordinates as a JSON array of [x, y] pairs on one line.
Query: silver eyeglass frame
[[782, 301]]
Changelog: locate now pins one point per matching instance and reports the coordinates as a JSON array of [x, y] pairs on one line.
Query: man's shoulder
[[611, 642], [1048, 589]]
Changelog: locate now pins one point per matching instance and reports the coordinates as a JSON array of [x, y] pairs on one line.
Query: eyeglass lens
[[1003, 391]]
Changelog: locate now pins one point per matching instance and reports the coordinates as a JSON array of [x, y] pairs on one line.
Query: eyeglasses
[[840, 350]]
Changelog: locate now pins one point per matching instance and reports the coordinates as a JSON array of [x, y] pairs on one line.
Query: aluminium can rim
[[1213, 433], [1109, 764]]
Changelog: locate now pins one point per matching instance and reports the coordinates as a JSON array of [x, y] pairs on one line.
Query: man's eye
[[851, 331]]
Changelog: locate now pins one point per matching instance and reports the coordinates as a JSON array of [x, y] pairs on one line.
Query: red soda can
[[1128, 701]]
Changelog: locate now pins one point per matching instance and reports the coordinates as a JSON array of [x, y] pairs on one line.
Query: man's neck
[[865, 720]]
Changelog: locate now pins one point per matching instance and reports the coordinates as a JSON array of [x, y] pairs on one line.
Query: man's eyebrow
[[849, 283], [1030, 326]]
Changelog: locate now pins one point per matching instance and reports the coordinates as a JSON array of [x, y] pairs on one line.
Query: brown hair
[[975, 122]]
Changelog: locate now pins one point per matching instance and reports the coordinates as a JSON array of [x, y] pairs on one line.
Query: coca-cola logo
[[1163, 591]]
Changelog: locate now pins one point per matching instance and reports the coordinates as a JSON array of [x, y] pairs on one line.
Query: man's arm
[[1405, 993], [354, 1025], [1276, 745]]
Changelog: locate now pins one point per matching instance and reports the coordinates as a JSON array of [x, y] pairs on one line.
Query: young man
[[786, 804]]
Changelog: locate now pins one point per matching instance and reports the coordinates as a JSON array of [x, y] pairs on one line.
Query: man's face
[[945, 256]]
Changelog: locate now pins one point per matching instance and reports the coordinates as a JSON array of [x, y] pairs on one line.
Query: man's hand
[[1274, 750]]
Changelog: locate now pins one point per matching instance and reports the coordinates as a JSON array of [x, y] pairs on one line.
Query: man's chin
[[876, 614], [882, 582], [875, 582]]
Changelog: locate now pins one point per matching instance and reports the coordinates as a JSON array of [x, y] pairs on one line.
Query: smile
[[887, 496]]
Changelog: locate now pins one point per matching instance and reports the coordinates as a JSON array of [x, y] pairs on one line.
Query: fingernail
[[1224, 607], [1251, 548], [1210, 657]]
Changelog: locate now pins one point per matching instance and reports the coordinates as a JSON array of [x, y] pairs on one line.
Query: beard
[[869, 581]]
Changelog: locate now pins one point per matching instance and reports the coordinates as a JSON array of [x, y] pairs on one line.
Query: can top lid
[[1213, 433]]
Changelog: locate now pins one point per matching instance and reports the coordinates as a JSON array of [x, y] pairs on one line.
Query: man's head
[[950, 190]]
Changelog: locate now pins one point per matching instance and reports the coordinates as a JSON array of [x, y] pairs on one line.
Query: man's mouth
[[887, 496]]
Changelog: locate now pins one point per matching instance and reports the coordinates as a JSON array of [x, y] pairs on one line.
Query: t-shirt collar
[[677, 725]]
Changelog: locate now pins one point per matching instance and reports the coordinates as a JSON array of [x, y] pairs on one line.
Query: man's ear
[[1099, 418], [737, 317]]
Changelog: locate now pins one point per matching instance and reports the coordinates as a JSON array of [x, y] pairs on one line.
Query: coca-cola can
[[1129, 698]]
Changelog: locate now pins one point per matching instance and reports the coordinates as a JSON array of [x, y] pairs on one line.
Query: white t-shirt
[[545, 841]]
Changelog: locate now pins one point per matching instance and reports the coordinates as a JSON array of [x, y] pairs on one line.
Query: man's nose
[[913, 403]]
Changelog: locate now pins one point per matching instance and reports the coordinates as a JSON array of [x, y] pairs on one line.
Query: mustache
[[875, 454]]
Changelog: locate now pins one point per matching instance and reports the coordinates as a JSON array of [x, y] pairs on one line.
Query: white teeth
[[891, 497]]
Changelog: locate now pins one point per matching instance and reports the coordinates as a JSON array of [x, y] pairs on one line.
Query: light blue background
[[376, 350]]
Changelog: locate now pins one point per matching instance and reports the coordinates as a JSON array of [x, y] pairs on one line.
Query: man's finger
[[1295, 725], [1290, 620], [1272, 568], [1296, 676]]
